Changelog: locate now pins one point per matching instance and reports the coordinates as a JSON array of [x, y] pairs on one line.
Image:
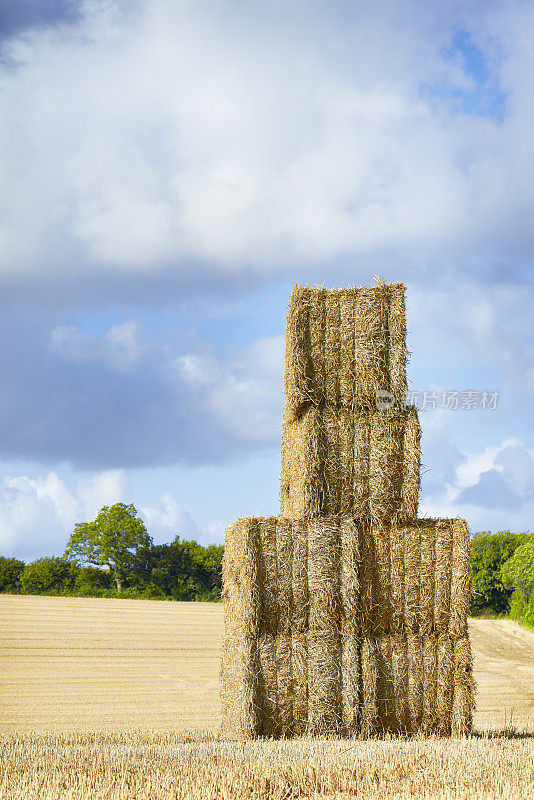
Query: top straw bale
[[343, 345]]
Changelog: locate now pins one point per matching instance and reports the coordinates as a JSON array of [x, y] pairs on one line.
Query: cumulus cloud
[[37, 515], [234, 139]]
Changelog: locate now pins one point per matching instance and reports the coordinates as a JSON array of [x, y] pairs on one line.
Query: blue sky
[[171, 170]]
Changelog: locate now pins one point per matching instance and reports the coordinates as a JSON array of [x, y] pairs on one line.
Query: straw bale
[[241, 577], [412, 576], [385, 463], [350, 678], [284, 570], [387, 720], [302, 473], [369, 704], [371, 343], [362, 435], [464, 688], [411, 467], [332, 350], [368, 580], [298, 378], [300, 590], [428, 566], [397, 340], [399, 669], [267, 700], [347, 298], [346, 462], [442, 578], [323, 574], [445, 684], [239, 685], [415, 681], [324, 681], [397, 578], [350, 585], [317, 330], [430, 682], [268, 574], [461, 578], [382, 608], [299, 666], [284, 678], [331, 421]]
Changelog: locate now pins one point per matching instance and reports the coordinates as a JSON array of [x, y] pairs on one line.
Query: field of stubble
[[119, 699]]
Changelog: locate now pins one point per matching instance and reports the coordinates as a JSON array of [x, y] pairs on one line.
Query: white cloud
[[169, 519], [37, 515], [250, 136]]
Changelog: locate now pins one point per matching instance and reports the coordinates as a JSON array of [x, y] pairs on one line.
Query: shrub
[[93, 582], [10, 572], [48, 576]]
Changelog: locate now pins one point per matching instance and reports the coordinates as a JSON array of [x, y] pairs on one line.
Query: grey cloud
[[19, 15], [491, 491], [62, 402]]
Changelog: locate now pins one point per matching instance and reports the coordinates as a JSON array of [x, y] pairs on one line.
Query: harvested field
[[82, 664], [197, 767]]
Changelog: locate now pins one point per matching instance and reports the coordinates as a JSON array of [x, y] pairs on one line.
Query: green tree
[[518, 571], [50, 574], [488, 554], [186, 570], [10, 572], [114, 539]]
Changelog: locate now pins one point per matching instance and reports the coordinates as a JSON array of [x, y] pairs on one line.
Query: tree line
[[114, 556]]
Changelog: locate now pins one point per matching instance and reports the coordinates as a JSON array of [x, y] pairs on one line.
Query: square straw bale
[[430, 683], [323, 574], [399, 668], [382, 606], [411, 465], [285, 682], [347, 374], [371, 344], [268, 575], [239, 672], [241, 579], [369, 723], [350, 678], [299, 668], [324, 646], [415, 681], [284, 570], [331, 423], [324, 682], [300, 589], [346, 462], [385, 463], [397, 340], [442, 579], [464, 688], [298, 375], [362, 437], [317, 333], [460, 578], [303, 466], [427, 530], [387, 720], [412, 576], [445, 684], [350, 584], [396, 539], [267, 699], [332, 347]]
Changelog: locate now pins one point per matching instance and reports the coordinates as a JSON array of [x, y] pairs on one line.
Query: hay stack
[[347, 615]]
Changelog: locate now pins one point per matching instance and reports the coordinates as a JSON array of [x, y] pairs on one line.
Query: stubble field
[[119, 699]]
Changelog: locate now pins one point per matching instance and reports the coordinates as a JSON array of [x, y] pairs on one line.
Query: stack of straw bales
[[347, 615]]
